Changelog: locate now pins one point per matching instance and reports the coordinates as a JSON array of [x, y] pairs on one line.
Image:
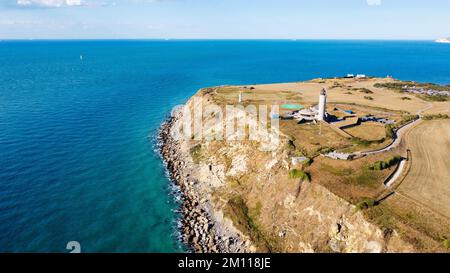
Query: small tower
[[240, 97], [322, 105]]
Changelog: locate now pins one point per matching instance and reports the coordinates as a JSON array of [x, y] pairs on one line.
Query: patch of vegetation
[[446, 244], [291, 145], [390, 133], [402, 219], [407, 119], [299, 174], [295, 149], [336, 85], [365, 91], [368, 97], [255, 213], [207, 91], [366, 143], [323, 150], [366, 203], [365, 177], [239, 213], [337, 171], [436, 116], [348, 93], [383, 217], [406, 98], [382, 165], [438, 98], [307, 162], [390, 129], [398, 86], [196, 153]]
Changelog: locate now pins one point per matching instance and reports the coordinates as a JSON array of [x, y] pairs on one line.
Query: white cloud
[[51, 3], [72, 3], [374, 2]]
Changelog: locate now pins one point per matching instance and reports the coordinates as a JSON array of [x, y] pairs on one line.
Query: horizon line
[[213, 39]]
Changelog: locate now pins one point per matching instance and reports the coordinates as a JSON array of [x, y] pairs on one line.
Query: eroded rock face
[[202, 227], [353, 234], [238, 165], [319, 221]]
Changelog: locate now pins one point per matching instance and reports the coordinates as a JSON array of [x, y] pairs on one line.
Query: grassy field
[[368, 131], [429, 179], [349, 91], [344, 91], [308, 139], [351, 180]]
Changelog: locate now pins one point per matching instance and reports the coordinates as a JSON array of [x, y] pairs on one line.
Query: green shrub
[[290, 145], [307, 162], [368, 97], [398, 86], [381, 165], [365, 143], [323, 150], [366, 204], [196, 153], [436, 116], [377, 166], [365, 91], [406, 98], [435, 98], [408, 118], [295, 173], [389, 131], [446, 243]]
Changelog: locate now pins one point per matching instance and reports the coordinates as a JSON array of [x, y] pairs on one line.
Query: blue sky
[[224, 19]]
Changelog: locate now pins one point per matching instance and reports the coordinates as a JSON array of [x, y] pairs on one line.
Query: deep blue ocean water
[[77, 159]]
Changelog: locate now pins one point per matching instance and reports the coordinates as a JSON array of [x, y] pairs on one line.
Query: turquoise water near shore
[[77, 159]]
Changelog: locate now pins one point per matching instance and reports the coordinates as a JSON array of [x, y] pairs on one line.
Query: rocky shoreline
[[202, 227]]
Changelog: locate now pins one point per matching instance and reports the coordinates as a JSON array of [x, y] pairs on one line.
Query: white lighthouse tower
[[322, 105]]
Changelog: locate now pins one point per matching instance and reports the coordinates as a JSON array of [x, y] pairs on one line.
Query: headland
[[343, 176]]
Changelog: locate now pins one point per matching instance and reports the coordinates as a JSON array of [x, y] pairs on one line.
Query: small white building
[[298, 160], [340, 156], [361, 76], [316, 113]]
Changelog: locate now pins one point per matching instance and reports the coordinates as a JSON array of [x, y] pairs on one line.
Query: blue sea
[[77, 135]]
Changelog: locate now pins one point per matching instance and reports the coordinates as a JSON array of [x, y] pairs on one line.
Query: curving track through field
[[428, 181]]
